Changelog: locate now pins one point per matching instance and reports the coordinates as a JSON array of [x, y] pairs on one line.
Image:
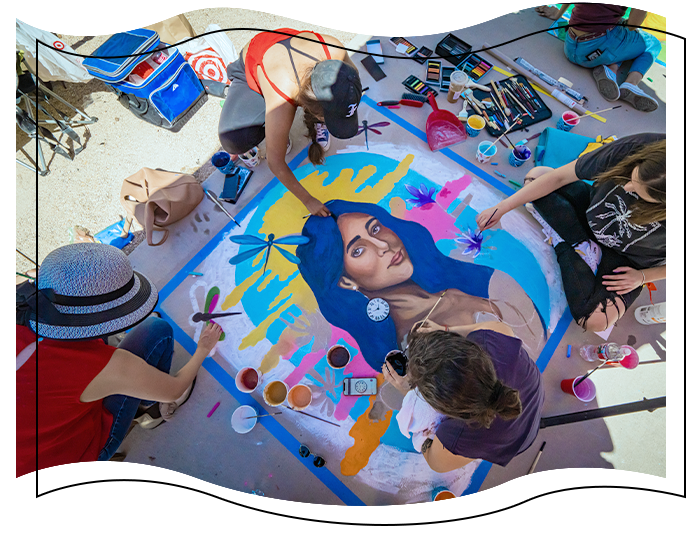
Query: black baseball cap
[[338, 90]]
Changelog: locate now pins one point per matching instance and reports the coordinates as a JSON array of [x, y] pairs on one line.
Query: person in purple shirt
[[483, 381]]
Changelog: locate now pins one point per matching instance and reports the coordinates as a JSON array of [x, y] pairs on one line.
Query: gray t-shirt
[[610, 208]]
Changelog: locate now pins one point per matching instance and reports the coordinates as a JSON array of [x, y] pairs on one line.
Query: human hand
[[316, 207], [428, 327], [494, 214], [547, 11], [627, 280], [390, 376], [209, 337]]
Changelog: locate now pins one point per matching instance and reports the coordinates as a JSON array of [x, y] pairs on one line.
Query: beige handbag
[[158, 198], [173, 30]]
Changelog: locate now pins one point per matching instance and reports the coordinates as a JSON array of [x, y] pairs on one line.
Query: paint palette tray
[[541, 111]]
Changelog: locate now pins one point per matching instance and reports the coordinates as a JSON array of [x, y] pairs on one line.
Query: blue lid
[[113, 69]]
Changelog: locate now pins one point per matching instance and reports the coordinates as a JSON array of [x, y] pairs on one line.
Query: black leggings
[[565, 211], [242, 121]]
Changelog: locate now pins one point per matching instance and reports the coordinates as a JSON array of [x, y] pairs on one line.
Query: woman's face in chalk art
[[375, 258]]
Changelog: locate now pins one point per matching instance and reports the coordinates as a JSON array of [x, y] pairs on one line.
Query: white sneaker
[[250, 159], [323, 136], [551, 236], [591, 254], [167, 410]]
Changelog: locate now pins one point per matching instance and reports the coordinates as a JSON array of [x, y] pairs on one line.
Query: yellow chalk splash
[[286, 217]]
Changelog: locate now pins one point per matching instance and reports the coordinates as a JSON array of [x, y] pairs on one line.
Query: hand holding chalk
[[209, 337]]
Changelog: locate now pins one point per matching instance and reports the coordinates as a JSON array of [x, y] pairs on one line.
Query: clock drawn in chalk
[[377, 309]]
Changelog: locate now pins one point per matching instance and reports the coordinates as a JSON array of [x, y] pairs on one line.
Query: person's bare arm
[[551, 12], [279, 117], [636, 18], [463, 330], [441, 460], [129, 375], [627, 279], [543, 185]]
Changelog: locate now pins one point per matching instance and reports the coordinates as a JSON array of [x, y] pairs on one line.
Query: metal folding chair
[[33, 113]]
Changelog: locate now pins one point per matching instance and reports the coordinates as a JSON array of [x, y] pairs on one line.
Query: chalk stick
[[568, 352], [213, 409]]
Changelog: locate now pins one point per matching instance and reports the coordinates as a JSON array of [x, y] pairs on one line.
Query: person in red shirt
[[277, 72], [76, 395]]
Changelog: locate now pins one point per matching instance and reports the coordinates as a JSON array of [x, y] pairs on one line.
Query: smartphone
[[360, 386], [398, 361], [375, 47]]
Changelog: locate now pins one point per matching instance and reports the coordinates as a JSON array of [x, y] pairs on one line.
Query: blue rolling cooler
[[167, 97]]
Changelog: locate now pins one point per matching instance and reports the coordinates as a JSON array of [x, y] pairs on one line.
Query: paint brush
[[515, 121], [431, 310], [217, 203], [537, 458], [206, 317], [582, 379], [489, 220], [599, 112], [307, 414], [262, 415], [25, 256]]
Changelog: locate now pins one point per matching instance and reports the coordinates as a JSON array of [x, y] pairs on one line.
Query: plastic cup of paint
[[442, 493], [585, 391], [223, 162], [299, 397], [275, 393], [458, 79], [475, 124], [338, 357], [485, 151], [519, 155], [568, 120], [629, 360], [248, 379], [241, 421]]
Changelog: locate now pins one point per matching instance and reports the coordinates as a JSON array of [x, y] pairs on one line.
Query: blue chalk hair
[[322, 266]]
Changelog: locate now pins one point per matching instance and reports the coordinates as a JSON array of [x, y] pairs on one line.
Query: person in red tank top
[[600, 39], [89, 392], [277, 72]]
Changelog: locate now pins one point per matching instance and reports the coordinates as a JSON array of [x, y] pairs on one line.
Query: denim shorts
[[618, 44]]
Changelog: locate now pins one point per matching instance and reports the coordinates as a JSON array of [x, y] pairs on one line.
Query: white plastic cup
[[241, 421], [485, 151], [248, 379]]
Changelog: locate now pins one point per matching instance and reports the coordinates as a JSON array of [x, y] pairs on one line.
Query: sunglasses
[[319, 461]]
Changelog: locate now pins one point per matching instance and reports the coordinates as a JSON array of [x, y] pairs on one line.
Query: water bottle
[[610, 351]]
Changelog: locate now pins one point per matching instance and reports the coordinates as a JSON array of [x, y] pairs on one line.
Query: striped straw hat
[[89, 290]]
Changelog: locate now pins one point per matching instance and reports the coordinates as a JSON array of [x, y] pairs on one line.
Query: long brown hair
[[313, 114], [457, 378], [651, 163]]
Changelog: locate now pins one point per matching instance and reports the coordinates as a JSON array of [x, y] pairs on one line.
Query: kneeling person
[[485, 384]]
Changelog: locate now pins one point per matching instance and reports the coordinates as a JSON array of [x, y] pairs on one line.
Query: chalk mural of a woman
[[363, 253]]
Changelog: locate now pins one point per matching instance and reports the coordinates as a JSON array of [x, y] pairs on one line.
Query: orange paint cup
[[275, 393], [442, 493], [299, 397]]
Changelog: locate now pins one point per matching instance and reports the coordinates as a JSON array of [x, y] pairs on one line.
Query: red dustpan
[[443, 128]]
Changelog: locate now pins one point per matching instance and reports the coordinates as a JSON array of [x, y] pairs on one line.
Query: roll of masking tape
[[566, 82]]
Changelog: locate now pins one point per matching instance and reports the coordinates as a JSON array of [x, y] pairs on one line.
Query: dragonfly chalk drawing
[[259, 245], [373, 127]]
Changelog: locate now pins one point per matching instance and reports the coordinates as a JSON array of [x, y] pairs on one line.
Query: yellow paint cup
[[275, 393]]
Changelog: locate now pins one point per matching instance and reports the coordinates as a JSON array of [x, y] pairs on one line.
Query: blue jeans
[[152, 340], [617, 45]]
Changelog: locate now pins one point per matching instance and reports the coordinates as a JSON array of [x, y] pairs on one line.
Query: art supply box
[[541, 114], [159, 86]]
